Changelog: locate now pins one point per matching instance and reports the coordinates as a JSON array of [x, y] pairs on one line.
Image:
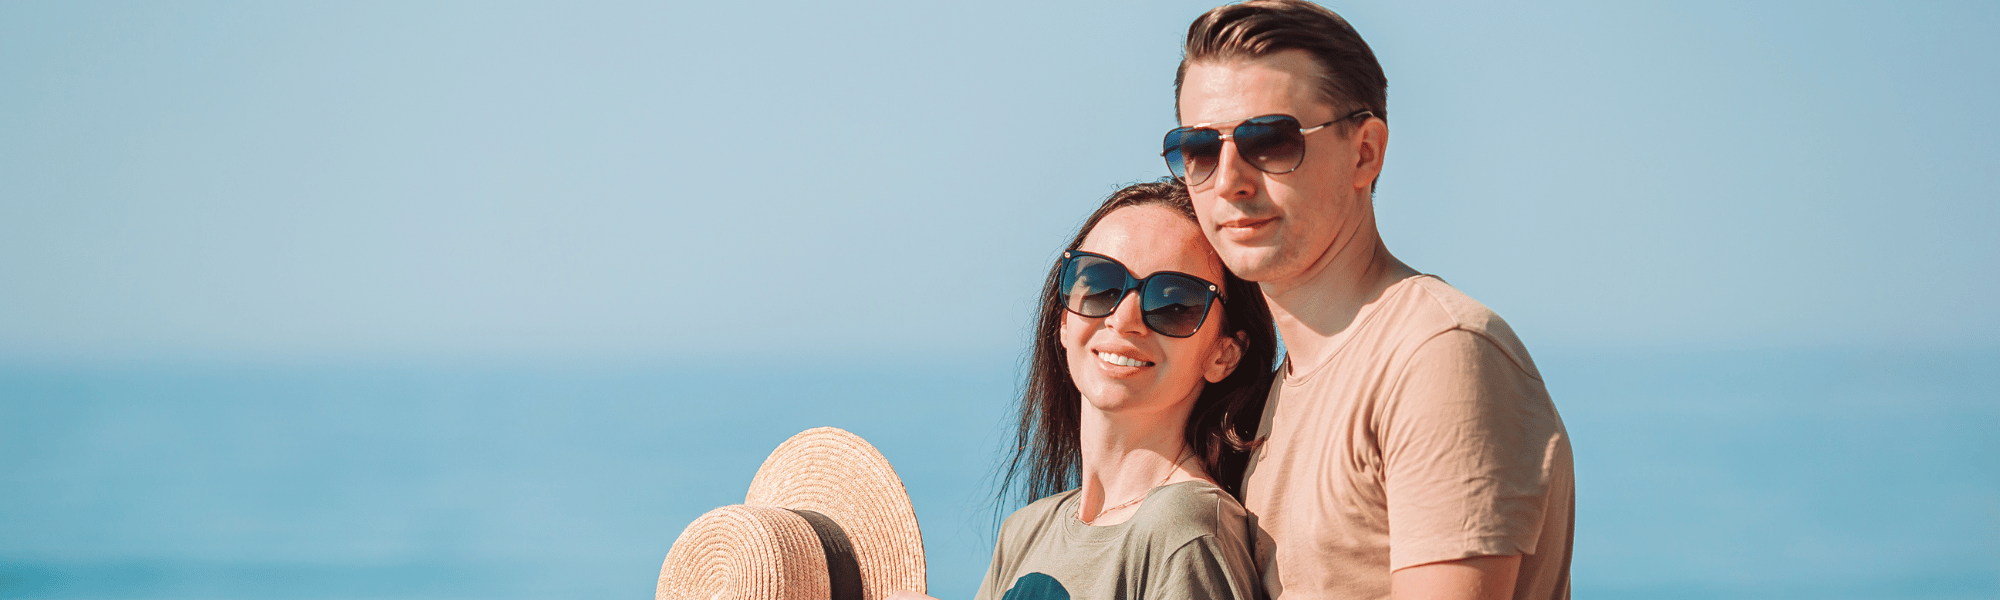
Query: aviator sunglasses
[[1173, 304], [1274, 144]]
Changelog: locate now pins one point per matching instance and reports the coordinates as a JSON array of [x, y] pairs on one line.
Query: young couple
[[1406, 448]]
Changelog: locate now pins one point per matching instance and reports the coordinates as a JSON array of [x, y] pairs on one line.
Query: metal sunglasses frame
[[1303, 131]]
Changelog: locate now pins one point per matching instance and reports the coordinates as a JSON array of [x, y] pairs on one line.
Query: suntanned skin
[[1485, 578], [1308, 238]]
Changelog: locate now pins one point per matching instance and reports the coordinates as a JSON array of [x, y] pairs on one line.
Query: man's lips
[[1243, 226]]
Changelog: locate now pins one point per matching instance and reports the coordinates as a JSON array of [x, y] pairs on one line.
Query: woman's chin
[[1122, 399]]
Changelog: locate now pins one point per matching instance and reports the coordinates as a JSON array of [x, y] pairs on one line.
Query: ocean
[[1791, 473]]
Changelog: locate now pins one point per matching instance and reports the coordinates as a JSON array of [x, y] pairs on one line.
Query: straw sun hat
[[825, 519]]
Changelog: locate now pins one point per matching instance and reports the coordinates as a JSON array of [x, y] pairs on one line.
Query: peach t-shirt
[[1426, 436]]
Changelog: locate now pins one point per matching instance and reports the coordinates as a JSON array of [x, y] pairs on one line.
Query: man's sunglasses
[[1172, 303], [1273, 143]]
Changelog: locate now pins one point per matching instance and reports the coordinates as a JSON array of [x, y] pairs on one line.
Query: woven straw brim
[[745, 552], [836, 473]]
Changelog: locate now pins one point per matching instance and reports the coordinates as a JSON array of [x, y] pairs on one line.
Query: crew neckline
[[1075, 528], [1291, 375]]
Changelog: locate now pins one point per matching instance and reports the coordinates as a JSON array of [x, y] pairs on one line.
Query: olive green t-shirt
[[1187, 540]]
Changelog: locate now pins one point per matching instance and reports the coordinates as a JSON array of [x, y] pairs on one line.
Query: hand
[[908, 596]]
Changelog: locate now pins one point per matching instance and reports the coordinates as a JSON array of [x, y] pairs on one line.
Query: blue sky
[[645, 182]]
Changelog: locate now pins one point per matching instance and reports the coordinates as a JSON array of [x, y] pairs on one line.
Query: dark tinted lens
[[1092, 286], [1170, 149], [1175, 305], [1191, 153], [1272, 144]]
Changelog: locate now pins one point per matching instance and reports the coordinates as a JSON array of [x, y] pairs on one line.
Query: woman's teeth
[[1122, 361]]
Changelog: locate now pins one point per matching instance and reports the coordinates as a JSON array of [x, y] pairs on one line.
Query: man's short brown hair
[[1350, 78]]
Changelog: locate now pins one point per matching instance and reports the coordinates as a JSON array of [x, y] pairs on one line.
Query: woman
[[1135, 414]]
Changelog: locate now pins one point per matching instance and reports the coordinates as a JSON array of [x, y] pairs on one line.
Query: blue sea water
[[1701, 474]]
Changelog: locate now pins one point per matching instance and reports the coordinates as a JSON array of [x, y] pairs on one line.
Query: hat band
[[843, 573]]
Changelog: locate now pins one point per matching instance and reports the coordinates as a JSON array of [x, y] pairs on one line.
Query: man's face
[[1275, 228]]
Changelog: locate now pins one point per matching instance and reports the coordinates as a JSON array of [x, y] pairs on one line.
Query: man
[[1410, 449]]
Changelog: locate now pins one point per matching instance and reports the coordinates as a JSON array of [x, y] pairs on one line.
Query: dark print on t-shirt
[[1036, 586]]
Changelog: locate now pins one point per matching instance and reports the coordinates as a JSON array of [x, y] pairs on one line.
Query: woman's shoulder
[[1181, 512], [1036, 516], [1200, 536]]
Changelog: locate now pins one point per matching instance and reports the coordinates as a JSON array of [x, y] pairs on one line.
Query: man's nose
[[1234, 178]]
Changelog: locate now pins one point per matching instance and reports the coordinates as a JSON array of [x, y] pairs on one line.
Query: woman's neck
[[1125, 455]]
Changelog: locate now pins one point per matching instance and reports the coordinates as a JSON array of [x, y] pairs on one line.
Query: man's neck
[[1315, 311]]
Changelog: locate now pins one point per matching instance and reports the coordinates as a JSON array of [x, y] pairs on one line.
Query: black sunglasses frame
[[1175, 141], [1131, 285]]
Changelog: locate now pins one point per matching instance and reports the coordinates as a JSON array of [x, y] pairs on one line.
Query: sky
[[243, 182]]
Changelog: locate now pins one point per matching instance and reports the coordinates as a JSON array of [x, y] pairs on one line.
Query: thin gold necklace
[[1142, 494]]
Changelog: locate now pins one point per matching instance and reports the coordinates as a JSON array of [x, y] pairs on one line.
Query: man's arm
[[1477, 578], [1470, 446]]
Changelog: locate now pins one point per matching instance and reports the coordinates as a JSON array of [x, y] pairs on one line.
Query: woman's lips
[[1121, 360]]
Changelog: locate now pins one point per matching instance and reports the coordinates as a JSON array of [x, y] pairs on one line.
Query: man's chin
[[1252, 263]]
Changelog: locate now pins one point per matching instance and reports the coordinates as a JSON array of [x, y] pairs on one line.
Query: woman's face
[[1117, 362]]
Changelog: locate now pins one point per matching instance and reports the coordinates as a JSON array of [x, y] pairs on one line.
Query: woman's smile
[[1123, 361]]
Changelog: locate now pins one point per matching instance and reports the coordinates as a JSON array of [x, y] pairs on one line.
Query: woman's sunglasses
[[1273, 143], [1173, 304]]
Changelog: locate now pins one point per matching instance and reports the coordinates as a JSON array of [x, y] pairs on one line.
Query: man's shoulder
[[1427, 308]]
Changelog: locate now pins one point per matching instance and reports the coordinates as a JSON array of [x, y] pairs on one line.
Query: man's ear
[[1222, 361], [1371, 144]]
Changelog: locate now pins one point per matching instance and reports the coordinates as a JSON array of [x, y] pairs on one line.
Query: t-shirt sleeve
[[988, 587], [1208, 568], [998, 572], [1470, 443]]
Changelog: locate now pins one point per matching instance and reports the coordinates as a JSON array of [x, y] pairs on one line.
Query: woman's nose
[[1127, 317]]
